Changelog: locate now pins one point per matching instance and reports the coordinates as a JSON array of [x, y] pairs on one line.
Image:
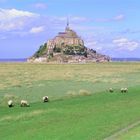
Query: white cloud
[[35, 30], [115, 18], [80, 19], [125, 44], [12, 25], [8, 14], [72, 19], [14, 22], [3, 37], [90, 42], [13, 19], [119, 17], [40, 5]]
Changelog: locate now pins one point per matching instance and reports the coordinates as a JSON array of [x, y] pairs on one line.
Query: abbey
[[67, 47], [67, 42], [69, 37]]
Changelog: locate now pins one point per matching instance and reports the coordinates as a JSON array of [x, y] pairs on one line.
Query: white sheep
[[124, 90], [24, 103], [45, 99], [10, 103], [111, 90]]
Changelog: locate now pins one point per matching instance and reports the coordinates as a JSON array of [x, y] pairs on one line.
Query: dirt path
[[124, 130]]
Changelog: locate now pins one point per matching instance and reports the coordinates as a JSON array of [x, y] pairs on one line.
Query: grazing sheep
[[111, 90], [24, 103], [124, 90], [10, 103], [45, 99]]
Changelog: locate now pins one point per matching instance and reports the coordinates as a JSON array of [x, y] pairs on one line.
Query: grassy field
[[133, 134], [80, 107]]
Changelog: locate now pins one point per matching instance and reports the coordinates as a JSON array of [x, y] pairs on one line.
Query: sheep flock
[[122, 90], [24, 103]]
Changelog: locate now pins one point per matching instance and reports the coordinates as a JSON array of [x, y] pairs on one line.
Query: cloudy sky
[[111, 27]]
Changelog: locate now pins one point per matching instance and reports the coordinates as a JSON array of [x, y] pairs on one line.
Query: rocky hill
[[67, 47]]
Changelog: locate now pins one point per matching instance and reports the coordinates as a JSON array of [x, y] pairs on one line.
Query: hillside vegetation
[[80, 107]]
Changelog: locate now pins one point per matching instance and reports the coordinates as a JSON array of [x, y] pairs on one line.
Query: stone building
[[67, 47], [68, 37]]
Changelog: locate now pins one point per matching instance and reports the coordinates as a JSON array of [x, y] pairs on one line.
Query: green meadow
[[80, 106]]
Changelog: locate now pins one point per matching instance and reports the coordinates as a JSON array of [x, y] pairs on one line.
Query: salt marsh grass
[[80, 107]]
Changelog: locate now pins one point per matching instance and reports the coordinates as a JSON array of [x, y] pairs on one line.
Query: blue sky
[[111, 27]]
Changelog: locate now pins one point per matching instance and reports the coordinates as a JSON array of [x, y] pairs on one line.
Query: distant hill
[[126, 59], [67, 47]]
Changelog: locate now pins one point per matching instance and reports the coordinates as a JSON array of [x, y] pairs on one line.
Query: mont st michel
[[67, 47]]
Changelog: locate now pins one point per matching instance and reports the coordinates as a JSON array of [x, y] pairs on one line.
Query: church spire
[[67, 27], [67, 22]]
